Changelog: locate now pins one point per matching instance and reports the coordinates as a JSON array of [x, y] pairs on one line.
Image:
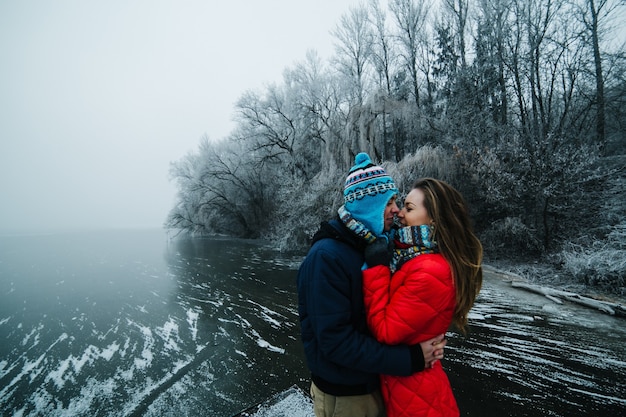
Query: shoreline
[[554, 285]]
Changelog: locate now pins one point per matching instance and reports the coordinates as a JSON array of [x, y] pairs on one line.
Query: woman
[[431, 282]]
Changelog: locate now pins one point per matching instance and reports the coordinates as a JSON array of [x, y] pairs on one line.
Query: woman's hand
[[433, 350]]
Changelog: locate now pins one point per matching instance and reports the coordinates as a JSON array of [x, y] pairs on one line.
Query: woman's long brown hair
[[454, 234]]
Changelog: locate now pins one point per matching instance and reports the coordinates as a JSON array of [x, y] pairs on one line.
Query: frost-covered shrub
[[509, 237], [426, 161], [303, 207], [603, 263], [617, 237]]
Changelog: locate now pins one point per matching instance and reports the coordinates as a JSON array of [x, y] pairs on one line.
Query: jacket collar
[[335, 229]]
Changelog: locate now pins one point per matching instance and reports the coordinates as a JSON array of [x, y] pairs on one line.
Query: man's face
[[390, 212]]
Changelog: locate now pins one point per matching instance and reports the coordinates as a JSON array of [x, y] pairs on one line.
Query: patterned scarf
[[411, 241], [355, 226]]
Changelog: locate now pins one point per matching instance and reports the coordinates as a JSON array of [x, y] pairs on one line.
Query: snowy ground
[[528, 356]]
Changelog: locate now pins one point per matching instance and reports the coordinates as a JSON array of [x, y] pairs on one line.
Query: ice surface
[[198, 337]]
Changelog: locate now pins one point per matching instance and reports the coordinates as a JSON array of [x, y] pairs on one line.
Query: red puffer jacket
[[415, 305]]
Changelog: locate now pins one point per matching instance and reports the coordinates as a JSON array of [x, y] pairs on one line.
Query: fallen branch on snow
[[556, 296]]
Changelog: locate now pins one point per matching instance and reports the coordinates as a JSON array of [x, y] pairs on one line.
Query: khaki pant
[[326, 405]]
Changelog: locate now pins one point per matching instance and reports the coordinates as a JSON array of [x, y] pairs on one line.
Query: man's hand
[[433, 350], [378, 253]]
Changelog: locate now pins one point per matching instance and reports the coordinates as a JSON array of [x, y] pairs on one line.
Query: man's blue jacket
[[344, 359]]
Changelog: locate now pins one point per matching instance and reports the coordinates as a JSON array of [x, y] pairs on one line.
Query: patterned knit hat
[[366, 193]]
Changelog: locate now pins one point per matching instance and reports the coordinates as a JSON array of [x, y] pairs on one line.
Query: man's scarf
[[355, 226]]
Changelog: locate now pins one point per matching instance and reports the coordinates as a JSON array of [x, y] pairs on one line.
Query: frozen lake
[[129, 323]]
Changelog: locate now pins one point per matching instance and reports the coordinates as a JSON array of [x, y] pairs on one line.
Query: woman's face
[[414, 213]]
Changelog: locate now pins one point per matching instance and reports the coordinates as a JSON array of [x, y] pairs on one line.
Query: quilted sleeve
[[416, 306]]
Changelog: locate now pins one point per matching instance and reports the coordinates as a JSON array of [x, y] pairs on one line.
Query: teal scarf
[[411, 241]]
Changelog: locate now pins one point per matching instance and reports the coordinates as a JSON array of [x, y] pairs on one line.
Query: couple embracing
[[375, 300]]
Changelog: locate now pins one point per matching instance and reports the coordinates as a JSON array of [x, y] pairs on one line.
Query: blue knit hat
[[366, 193]]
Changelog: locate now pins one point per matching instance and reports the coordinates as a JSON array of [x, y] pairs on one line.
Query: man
[[344, 359]]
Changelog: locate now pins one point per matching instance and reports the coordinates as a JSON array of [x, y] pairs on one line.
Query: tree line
[[520, 104]]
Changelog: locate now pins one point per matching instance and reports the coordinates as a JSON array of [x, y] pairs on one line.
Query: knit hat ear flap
[[367, 191]]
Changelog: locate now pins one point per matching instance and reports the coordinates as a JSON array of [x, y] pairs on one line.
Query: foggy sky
[[98, 97]]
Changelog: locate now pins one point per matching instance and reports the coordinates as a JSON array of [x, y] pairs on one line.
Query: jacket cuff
[[417, 358]]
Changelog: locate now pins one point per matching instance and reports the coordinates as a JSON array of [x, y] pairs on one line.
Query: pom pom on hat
[[361, 160], [367, 191]]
